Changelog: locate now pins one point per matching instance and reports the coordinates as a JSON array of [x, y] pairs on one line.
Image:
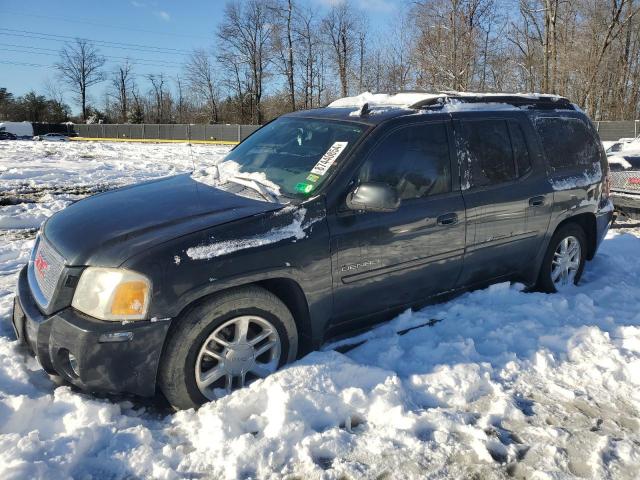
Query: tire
[[546, 281], [196, 345]]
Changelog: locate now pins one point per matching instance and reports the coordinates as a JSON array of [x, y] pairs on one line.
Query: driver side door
[[384, 260]]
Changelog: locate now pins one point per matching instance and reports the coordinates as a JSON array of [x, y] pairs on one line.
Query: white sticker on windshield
[[329, 158]]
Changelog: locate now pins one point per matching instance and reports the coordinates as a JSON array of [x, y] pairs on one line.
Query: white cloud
[[163, 15]]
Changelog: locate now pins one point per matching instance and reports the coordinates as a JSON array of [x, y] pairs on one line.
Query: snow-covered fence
[[150, 131]]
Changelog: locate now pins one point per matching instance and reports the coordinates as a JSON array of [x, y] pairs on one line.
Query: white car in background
[[51, 137], [623, 144]]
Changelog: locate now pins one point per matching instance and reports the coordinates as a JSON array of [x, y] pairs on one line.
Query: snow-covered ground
[[504, 384]]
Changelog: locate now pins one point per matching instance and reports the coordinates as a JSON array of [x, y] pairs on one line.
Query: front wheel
[[224, 344], [564, 261]]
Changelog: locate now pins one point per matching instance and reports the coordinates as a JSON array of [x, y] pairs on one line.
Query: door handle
[[448, 219], [536, 201]]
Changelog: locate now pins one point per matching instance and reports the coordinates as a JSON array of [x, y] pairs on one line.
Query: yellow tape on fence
[[152, 140]]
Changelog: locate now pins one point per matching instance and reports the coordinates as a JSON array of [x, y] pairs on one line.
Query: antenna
[[193, 163]]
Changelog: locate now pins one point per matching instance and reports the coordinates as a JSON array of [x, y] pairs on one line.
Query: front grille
[[625, 181], [45, 267]]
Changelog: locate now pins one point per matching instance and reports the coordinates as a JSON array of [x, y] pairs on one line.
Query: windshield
[[296, 154]]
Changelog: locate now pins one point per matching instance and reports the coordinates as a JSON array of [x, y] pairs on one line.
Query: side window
[[567, 142], [413, 159], [485, 148], [520, 148]]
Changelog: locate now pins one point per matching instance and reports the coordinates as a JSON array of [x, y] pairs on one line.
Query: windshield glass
[[296, 154]]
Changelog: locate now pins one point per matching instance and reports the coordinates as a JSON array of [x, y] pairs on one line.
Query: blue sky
[[170, 28]]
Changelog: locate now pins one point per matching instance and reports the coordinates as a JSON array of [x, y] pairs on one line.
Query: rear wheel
[[224, 344], [564, 261]]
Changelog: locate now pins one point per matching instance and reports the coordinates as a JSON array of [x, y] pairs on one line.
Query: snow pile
[[504, 383], [295, 230], [39, 178]]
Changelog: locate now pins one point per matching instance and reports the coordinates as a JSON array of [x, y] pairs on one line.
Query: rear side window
[[567, 142], [485, 147], [413, 159]]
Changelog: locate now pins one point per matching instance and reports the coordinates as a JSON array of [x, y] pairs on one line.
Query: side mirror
[[373, 197]]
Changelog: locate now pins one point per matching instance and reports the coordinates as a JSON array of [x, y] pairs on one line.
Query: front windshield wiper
[[255, 186]]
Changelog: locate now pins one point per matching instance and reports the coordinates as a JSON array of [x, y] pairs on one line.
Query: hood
[[107, 229]]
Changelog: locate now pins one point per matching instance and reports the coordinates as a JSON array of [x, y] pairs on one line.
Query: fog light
[[73, 363]]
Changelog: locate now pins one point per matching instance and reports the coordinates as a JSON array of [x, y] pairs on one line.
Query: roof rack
[[534, 100], [420, 99]]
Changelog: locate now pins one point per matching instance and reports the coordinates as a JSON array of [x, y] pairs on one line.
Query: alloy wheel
[[239, 351], [565, 263]]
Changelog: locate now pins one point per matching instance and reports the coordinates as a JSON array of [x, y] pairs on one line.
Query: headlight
[[112, 294]]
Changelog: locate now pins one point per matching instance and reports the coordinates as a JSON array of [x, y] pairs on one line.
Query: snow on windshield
[[226, 170]]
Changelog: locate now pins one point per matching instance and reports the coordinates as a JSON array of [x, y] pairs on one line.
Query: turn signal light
[[129, 298]]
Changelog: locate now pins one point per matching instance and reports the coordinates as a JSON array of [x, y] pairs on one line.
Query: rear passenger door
[[506, 195]]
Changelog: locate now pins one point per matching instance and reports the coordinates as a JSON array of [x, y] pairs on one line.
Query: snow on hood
[[619, 160], [295, 231]]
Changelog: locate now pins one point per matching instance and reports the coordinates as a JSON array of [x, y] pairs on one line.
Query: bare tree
[[309, 45], [201, 77], [159, 95], [245, 33], [338, 27], [80, 66], [181, 105], [122, 83], [283, 31]]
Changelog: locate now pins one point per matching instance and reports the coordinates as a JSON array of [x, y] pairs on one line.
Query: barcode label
[[329, 158]]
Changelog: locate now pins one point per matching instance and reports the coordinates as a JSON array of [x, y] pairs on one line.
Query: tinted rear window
[[568, 142], [486, 146]]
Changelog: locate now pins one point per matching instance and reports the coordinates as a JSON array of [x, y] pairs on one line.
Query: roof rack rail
[[546, 102]]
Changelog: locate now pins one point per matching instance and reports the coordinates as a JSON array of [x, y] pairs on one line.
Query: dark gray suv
[[321, 221]]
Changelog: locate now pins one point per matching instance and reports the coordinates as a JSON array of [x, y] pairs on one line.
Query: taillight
[[634, 181]]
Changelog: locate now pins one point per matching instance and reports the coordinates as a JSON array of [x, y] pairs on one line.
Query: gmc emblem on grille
[[41, 265]]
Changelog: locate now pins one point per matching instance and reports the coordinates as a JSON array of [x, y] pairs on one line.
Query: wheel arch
[[288, 292], [586, 221]]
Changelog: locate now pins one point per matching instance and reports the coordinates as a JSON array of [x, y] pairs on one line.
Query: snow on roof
[[407, 99], [402, 100]]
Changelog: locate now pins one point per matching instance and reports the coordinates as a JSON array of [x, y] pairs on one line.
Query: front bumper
[[94, 355]]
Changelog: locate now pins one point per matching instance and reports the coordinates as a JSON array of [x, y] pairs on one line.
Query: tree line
[[269, 57]]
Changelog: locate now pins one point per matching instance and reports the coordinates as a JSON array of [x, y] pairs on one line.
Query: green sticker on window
[[312, 177], [304, 187]]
